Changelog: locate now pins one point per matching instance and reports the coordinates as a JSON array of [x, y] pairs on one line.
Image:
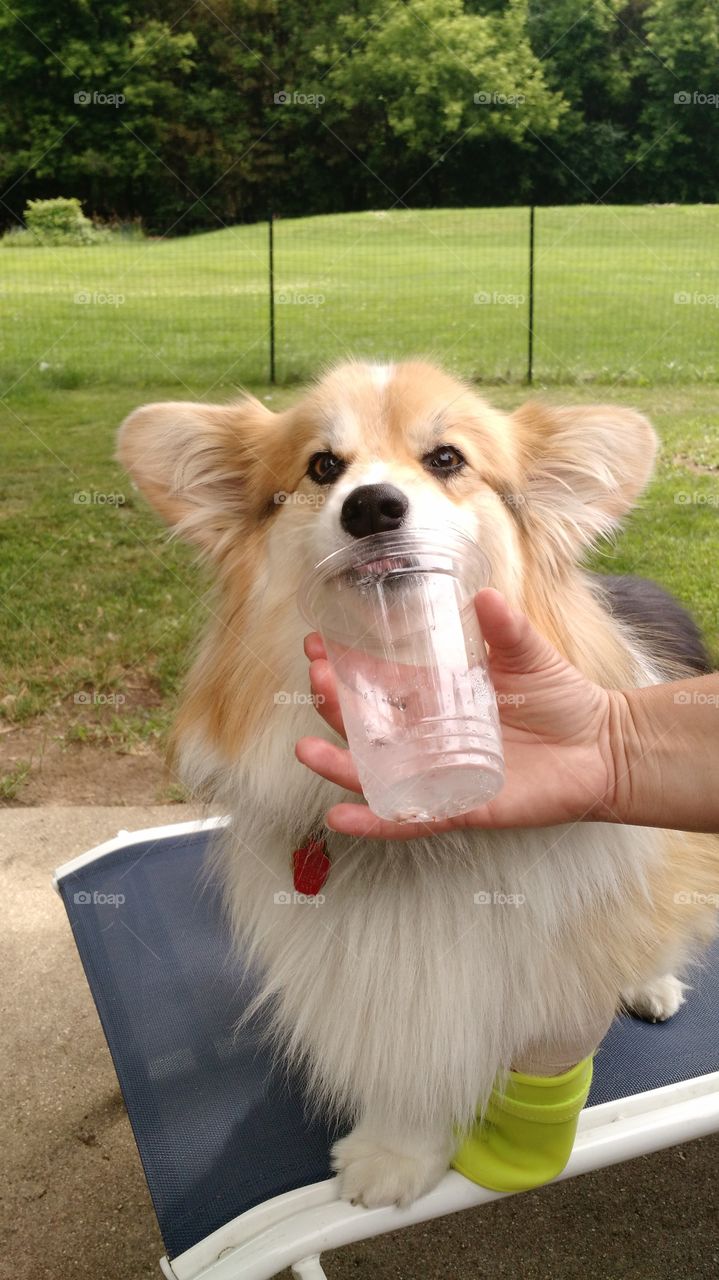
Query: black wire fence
[[561, 294]]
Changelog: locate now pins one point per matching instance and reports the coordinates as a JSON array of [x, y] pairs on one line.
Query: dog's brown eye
[[445, 459], [325, 468]]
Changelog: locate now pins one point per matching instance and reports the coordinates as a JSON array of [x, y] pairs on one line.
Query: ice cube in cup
[[396, 614]]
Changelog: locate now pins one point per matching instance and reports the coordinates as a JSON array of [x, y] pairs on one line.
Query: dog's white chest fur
[[429, 965]]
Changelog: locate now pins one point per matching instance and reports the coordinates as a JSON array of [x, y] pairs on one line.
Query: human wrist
[[645, 750], [619, 744]]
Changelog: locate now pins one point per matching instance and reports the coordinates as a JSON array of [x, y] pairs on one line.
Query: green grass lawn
[[94, 598], [192, 313]]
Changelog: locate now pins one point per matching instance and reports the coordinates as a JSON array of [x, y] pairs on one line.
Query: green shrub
[[59, 221], [18, 238], [62, 222]]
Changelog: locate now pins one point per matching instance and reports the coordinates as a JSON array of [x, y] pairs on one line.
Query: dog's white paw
[[373, 1174], [657, 999]]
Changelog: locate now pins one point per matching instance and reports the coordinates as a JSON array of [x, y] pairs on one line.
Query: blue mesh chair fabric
[[217, 1129]]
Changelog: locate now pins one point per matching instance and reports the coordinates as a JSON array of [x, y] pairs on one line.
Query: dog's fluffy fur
[[402, 999]]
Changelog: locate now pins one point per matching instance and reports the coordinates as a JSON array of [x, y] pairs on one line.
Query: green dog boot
[[528, 1131]]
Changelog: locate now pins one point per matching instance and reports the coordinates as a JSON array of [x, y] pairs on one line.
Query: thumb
[[514, 644]]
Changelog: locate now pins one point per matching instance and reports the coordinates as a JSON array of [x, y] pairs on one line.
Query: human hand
[[558, 731]]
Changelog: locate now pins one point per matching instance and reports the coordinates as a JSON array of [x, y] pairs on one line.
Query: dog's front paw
[[374, 1173], [655, 1000]]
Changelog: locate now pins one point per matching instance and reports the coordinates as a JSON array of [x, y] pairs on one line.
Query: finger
[[358, 820], [324, 689], [515, 645], [314, 647], [329, 761]]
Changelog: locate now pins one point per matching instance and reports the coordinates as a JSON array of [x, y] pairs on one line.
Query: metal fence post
[[530, 347], [271, 237]]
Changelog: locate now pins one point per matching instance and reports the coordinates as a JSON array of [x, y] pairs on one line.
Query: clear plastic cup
[[396, 614]]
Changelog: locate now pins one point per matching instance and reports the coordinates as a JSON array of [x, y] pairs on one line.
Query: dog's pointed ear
[[584, 467], [205, 468]]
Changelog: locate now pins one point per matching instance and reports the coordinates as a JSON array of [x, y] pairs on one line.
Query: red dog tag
[[311, 867]]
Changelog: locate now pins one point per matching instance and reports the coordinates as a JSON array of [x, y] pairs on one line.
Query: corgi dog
[[400, 998]]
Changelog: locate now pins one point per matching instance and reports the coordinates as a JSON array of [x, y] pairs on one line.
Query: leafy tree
[[89, 93], [589, 53], [677, 145], [416, 81], [202, 116]]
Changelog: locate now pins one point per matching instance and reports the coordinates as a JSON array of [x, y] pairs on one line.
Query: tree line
[[196, 117]]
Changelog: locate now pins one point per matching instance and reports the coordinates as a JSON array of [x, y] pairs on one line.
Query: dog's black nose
[[373, 508]]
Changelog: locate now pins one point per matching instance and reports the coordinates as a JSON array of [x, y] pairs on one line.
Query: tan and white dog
[[400, 997]]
